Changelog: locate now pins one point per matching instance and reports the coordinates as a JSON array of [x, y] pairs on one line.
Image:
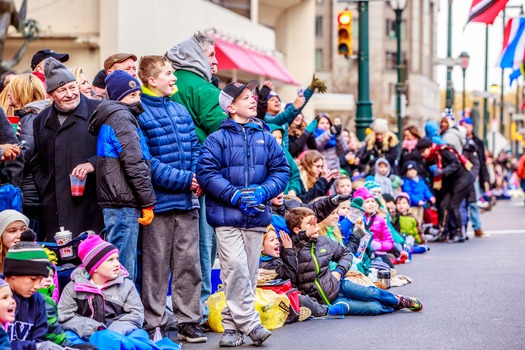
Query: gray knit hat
[[8, 216], [56, 74]]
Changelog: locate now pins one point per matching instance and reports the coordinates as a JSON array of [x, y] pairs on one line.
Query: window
[[318, 59], [391, 29], [318, 26]]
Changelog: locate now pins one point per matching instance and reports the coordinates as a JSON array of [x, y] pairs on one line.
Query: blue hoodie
[[432, 132], [30, 325]]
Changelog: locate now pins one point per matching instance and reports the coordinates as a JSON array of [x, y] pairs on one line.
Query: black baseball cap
[[43, 54], [232, 91]]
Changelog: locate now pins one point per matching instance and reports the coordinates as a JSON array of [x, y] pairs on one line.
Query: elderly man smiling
[[63, 146]]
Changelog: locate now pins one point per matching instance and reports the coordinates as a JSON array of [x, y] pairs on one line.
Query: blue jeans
[[123, 232], [474, 209], [366, 301], [208, 252]]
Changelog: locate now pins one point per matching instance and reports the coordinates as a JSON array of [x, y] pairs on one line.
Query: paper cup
[[14, 122]]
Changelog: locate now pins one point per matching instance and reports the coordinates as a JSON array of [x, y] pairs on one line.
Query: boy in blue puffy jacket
[[241, 168], [417, 189]]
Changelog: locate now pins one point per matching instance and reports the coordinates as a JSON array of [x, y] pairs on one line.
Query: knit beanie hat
[[357, 203], [100, 79], [9, 216], [380, 126], [423, 143], [93, 251], [371, 184], [3, 283], [362, 193], [273, 94], [388, 197], [119, 84], [403, 195], [26, 259], [56, 74]]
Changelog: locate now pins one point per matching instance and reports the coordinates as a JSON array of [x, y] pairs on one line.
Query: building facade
[[418, 44]]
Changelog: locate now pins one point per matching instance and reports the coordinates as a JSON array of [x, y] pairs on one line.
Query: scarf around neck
[[331, 143]]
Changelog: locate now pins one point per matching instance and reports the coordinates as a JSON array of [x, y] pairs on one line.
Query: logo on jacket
[[260, 141], [19, 330]]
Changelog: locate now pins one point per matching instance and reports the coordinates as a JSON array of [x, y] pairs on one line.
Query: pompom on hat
[[26, 259], [93, 251]]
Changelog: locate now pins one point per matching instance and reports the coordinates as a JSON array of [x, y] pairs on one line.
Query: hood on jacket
[[382, 160], [431, 128], [34, 107], [102, 113], [189, 55], [253, 123], [389, 140], [81, 276]]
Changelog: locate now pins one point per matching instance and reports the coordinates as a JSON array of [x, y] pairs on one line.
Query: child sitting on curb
[[99, 296], [285, 264], [328, 286]]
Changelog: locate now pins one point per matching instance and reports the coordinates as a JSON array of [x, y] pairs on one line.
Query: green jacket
[[201, 98], [408, 225], [55, 332]]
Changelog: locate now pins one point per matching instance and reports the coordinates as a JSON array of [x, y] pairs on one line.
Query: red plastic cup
[[14, 122], [77, 185]]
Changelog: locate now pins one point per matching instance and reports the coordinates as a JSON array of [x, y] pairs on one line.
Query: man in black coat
[[63, 146]]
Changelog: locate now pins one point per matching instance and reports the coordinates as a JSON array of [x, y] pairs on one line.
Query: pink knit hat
[[403, 195], [363, 193], [93, 251]]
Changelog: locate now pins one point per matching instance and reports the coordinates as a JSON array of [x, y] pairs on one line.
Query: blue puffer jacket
[[417, 190], [174, 148], [233, 158]]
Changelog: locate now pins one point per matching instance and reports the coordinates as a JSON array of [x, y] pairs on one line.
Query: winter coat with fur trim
[[84, 308]]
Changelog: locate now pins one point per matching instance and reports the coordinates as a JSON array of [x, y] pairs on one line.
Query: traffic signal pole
[[364, 106]]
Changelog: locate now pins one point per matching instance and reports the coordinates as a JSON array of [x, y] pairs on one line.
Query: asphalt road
[[472, 295]]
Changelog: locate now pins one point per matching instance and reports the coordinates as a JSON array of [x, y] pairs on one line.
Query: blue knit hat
[[119, 84]]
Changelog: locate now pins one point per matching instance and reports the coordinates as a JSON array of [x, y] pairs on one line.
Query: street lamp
[[464, 65], [398, 6]]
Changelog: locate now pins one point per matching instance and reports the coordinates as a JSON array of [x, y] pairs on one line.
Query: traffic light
[[344, 32]]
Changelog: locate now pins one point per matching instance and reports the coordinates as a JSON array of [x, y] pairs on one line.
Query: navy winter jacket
[[235, 157], [30, 325], [174, 148], [123, 172]]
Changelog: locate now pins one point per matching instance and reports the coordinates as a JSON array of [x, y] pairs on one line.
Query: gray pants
[[171, 244], [239, 252]]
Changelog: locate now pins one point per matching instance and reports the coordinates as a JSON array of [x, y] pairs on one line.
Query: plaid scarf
[[435, 155]]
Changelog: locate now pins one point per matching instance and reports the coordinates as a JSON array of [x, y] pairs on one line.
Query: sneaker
[[304, 313], [480, 234], [413, 304], [231, 338], [191, 333], [259, 334], [339, 309]]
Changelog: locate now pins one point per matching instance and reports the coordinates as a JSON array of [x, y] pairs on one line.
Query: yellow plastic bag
[[273, 309]]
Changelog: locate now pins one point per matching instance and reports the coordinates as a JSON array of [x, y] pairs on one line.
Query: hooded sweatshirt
[[195, 90], [383, 180]]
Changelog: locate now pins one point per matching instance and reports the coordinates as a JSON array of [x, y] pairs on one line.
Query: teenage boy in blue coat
[[241, 168], [170, 244]]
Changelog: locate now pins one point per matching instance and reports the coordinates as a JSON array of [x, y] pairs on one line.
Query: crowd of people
[[177, 171]]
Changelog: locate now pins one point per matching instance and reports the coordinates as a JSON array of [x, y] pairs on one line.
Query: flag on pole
[[485, 11], [513, 51]]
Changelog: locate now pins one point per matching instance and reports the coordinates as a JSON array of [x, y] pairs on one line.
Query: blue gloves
[[248, 202], [435, 170], [312, 126], [261, 193]]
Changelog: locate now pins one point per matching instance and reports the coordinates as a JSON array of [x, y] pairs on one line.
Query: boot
[[480, 234]]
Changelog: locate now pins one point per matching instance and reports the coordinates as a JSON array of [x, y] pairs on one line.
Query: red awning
[[232, 56]]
